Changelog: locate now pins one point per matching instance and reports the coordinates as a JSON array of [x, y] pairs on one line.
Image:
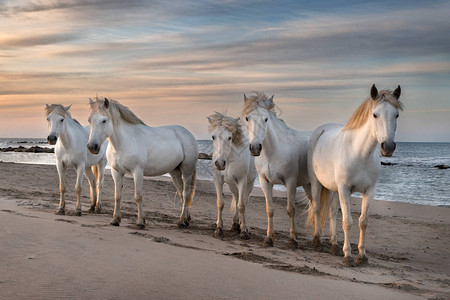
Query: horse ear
[[91, 101], [106, 103], [373, 92], [67, 107], [209, 120], [245, 98], [269, 101], [47, 106], [397, 92]]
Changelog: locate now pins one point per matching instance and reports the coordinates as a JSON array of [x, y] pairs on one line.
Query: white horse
[[281, 157], [70, 139], [232, 164], [141, 150], [344, 159]]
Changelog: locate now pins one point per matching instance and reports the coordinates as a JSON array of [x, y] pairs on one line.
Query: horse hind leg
[[138, 177], [188, 194], [333, 214], [314, 212]]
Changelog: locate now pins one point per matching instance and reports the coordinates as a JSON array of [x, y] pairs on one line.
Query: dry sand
[[45, 256]]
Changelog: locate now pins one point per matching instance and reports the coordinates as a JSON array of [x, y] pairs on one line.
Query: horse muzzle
[[94, 148], [255, 150], [387, 149], [52, 139], [220, 164]]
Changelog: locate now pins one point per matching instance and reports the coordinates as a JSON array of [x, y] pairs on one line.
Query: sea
[[412, 177]]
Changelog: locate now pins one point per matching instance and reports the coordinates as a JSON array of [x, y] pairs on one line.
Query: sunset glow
[[176, 62]]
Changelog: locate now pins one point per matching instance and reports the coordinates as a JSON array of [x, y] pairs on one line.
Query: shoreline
[[277, 192], [407, 244]]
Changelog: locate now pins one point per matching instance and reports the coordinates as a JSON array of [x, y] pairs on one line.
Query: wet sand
[[44, 255]]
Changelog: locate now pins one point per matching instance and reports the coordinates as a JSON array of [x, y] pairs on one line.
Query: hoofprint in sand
[[408, 244]]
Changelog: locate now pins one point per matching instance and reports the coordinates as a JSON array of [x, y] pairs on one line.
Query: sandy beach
[[44, 255]]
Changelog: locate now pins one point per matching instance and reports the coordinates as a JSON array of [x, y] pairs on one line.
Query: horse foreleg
[[267, 188], [90, 176], [242, 199], [62, 188], [235, 194], [218, 184], [290, 208], [80, 171], [333, 214], [118, 185], [347, 221], [363, 221], [100, 177], [138, 177]]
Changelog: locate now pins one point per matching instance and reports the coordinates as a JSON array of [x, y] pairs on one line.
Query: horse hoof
[[218, 233], [182, 224], [77, 213], [91, 209], [292, 244], [244, 235], [115, 222], [236, 228], [318, 247], [268, 242], [61, 212], [362, 260], [348, 261], [140, 226], [98, 209], [335, 250]]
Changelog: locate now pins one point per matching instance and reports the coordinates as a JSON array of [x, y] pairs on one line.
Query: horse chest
[[359, 179], [270, 171]]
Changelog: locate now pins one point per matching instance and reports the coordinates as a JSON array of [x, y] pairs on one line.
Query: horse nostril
[[382, 146], [395, 146], [224, 163], [260, 147]]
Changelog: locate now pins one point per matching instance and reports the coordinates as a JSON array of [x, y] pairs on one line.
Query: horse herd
[[330, 163]]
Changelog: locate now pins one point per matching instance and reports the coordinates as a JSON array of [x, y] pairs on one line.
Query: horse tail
[[94, 169], [193, 184], [324, 208]]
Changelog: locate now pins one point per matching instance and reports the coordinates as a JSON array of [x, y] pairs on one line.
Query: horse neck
[[121, 133], [363, 141], [67, 135], [274, 131]]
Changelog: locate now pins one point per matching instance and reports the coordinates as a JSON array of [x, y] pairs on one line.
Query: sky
[[176, 62]]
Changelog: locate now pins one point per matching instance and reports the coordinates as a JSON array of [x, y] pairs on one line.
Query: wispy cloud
[[172, 55]]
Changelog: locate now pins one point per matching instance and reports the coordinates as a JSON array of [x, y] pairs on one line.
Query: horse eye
[[246, 119], [375, 116], [229, 138], [104, 121], [62, 120], [266, 120], [396, 116], [213, 137]]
